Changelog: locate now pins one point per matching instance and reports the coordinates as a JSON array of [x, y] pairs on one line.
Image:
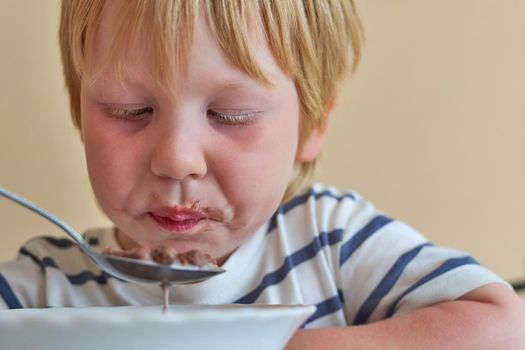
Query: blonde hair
[[315, 42]]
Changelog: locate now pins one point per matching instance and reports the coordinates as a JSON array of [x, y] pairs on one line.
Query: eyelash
[[130, 114], [223, 118], [232, 119]]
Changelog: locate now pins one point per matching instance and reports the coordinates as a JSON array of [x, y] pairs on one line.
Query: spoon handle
[[31, 206]]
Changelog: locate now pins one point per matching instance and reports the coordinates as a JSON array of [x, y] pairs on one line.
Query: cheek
[[111, 166], [259, 170], [100, 165]]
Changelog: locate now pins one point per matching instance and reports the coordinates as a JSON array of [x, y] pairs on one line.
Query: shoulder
[[342, 226], [384, 266]]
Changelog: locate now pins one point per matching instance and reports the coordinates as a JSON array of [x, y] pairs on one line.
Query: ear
[[314, 143]]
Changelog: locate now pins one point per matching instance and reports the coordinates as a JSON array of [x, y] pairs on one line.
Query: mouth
[[176, 220]]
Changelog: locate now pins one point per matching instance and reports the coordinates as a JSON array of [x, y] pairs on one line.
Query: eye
[[232, 119], [130, 114]]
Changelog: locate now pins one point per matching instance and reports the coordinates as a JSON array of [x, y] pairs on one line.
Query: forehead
[[111, 51], [129, 46]]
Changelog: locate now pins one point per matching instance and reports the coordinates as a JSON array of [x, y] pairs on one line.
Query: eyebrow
[[251, 87], [247, 82], [235, 77], [239, 84]]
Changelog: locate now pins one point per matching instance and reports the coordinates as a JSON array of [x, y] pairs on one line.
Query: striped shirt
[[325, 248]]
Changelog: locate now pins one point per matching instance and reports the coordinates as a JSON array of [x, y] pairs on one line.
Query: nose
[[178, 154]]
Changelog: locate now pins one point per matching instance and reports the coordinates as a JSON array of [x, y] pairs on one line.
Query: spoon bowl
[[148, 271], [131, 270]]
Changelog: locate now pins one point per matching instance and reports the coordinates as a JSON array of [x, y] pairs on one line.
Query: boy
[[194, 117]]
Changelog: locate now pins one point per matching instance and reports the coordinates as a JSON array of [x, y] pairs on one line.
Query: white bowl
[[214, 327]]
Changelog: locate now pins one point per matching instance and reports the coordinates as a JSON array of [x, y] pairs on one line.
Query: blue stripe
[[326, 307], [88, 276], [348, 248], [8, 295], [299, 200], [59, 242], [77, 279], [291, 261], [445, 267], [24, 251], [386, 284]]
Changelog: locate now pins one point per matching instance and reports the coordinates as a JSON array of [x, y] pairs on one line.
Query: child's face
[[202, 171]]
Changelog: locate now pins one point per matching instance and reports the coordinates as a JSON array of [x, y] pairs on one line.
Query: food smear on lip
[[165, 256]]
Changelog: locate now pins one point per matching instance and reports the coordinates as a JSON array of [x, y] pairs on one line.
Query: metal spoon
[[131, 270]]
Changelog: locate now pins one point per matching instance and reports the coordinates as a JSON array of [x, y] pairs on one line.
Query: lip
[[177, 220]]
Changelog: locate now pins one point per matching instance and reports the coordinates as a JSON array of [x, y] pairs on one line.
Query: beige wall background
[[431, 128]]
